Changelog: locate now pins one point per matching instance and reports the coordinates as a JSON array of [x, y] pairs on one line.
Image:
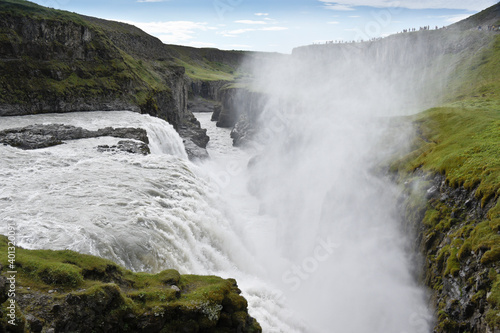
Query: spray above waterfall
[[339, 253]]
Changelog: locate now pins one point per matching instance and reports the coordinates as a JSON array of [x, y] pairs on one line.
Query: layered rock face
[[239, 109], [53, 61], [459, 266]]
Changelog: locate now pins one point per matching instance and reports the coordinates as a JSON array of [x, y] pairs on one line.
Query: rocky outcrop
[[42, 136], [232, 105], [460, 263], [209, 90], [240, 110], [63, 291], [200, 104]]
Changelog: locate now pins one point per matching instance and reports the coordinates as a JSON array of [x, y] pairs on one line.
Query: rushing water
[[147, 213], [161, 211]]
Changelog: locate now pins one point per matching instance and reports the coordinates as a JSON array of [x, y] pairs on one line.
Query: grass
[[44, 78], [68, 270], [206, 71], [460, 139], [476, 74], [32, 10], [461, 143], [95, 282]]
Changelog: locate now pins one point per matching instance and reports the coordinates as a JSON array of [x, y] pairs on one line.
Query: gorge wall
[[56, 61]]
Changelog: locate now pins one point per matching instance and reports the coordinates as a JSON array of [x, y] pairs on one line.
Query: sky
[[273, 25]]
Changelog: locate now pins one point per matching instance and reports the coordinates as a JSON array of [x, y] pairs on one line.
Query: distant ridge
[[489, 16]]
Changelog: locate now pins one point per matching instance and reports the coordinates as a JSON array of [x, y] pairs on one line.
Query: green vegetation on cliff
[[57, 61], [460, 142], [76, 292]]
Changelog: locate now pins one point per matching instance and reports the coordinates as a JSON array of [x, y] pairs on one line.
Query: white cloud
[[334, 6], [240, 46], [250, 22], [173, 32], [234, 33], [333, 22], [354, 16], [475, 5], [274, 29], [261, 14]]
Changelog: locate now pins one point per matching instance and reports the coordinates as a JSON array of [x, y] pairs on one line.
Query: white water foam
[[148, 213]]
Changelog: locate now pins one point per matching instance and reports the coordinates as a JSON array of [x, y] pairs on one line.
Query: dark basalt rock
[[42, 136], [195, 139], [199, 104], [243, 131], [127, 146], [460, 278], [194, 151]]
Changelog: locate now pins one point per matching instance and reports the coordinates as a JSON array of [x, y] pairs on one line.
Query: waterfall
[[147, 213], [163, 139], [326, 230]]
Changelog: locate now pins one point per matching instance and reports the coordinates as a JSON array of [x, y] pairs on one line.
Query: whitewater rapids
[[161, 211]]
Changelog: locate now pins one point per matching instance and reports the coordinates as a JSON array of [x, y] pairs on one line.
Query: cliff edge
[[63, 291], [57, 61]]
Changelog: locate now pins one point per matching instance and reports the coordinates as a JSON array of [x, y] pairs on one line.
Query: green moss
[[432, 217], [493, 318], [100, 285], [493, 315], [452, 263], [484, 236]]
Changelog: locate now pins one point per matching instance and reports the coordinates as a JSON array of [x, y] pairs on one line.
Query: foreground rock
[[63, 291], [42, 136]]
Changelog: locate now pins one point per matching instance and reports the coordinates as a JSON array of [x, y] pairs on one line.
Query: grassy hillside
[[460, 140], [489, 16], [53, 60]]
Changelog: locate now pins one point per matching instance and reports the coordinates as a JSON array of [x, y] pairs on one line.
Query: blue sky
[[272, 25]]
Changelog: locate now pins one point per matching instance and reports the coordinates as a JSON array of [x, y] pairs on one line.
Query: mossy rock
[[74, 292]]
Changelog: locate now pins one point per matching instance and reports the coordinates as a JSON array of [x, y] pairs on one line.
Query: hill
[[452, 179], [489, 16], [57, 61]]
